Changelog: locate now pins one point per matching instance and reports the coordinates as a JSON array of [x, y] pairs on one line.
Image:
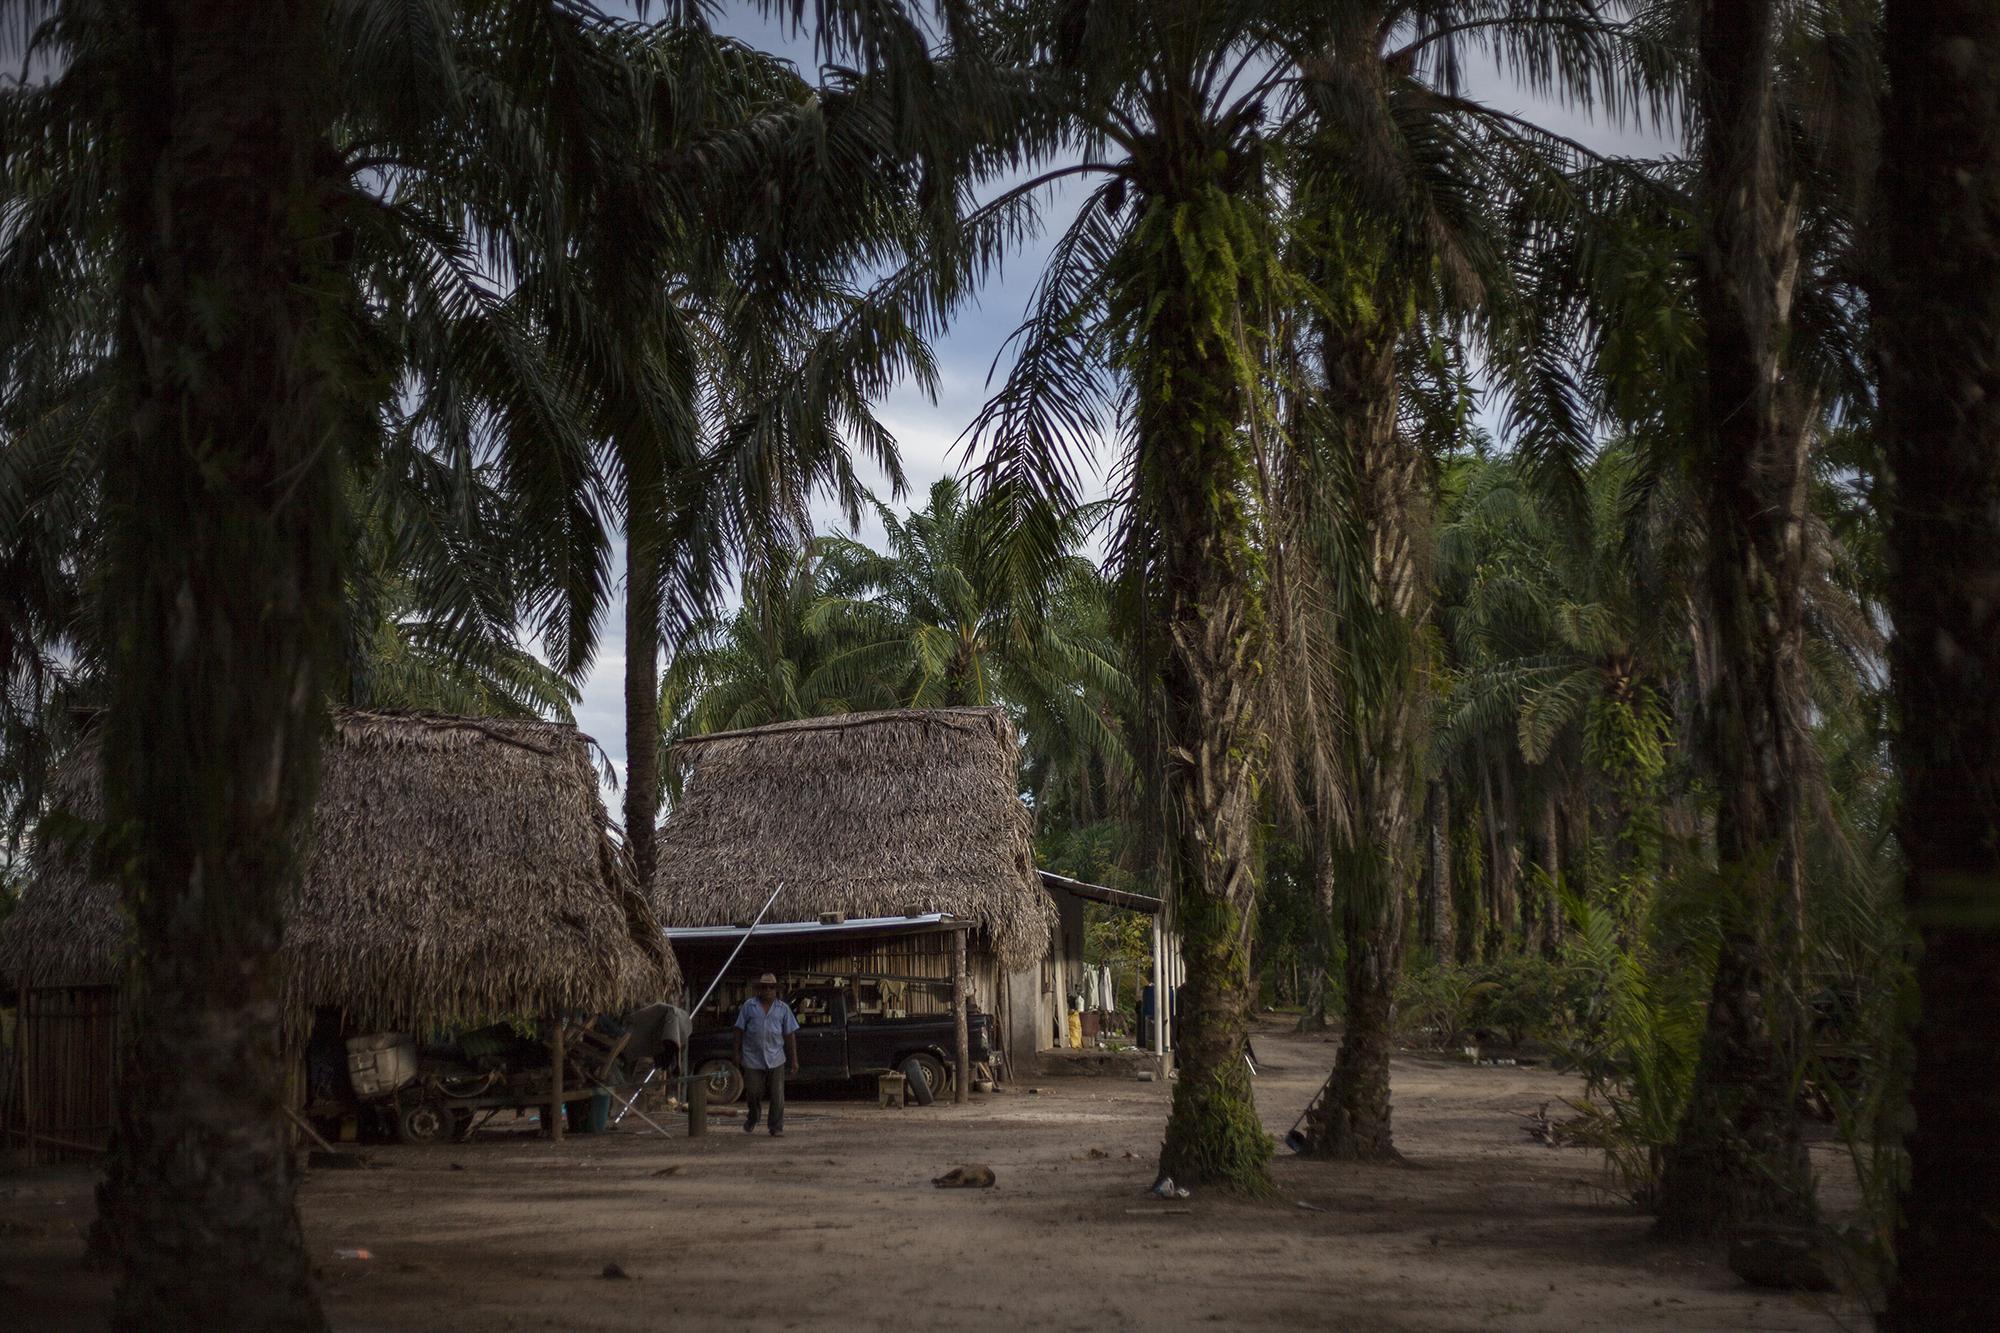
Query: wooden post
[[555, 1125], [963, 1049], [24, 1019], [697, 1107], [1062, 987]]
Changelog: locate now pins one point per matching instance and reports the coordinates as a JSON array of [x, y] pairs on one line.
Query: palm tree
[[1166, 297], [1162, 280], [743, 386], [221, 503], [1411, 205], [768, 661], [1561, 647], [1938, 294], [837, 627], [357, 303], [1764, 168], [1744, 256], [937, 615]]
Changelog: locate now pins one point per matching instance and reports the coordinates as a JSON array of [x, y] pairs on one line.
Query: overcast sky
[[929, 432]]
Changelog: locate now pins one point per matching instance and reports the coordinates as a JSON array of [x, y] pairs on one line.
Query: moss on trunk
[[1214, 1135]]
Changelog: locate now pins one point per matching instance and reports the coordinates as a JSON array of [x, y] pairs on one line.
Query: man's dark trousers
[[760, 1085]]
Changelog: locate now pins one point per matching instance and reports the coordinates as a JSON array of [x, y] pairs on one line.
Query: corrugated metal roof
[[1110, 897], [861, 925]]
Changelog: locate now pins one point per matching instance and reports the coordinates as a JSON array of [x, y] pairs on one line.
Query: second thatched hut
[[864, 815]]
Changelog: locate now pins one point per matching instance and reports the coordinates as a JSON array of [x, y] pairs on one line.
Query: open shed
[[897, 814], [455, 870], [1057, 980]]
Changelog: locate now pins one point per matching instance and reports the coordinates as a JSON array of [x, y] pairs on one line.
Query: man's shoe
[[749, 1126], [777, 1133]]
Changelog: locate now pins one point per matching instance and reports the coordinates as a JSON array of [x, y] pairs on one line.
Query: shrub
[[1519, 997], [1434, 1005], [1635, 1040]]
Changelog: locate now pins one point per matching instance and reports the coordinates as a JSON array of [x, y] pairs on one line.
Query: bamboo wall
[[58, 1102]]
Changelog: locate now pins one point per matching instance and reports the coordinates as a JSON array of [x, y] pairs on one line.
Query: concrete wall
[[1032, 995]]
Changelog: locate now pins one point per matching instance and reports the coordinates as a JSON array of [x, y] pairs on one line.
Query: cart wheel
[[926, 1078], [725, 1081], [426, 1121]]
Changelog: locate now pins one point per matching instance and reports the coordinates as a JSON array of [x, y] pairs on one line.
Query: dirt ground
[[837, 1225]]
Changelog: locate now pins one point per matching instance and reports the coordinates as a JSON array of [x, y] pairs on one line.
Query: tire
[[926, 1078], [424, 1121], [725, 1081]]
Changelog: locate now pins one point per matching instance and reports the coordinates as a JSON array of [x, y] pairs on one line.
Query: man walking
[[767, 1045]]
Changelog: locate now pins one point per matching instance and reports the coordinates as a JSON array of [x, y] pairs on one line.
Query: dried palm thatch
[[455, 869], [872, 814]]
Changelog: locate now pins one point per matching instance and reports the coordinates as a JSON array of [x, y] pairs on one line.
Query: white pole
[[681, 1081], [1159, 993], [1062, 988]]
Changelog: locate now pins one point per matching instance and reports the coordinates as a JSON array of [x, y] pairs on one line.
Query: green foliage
[[1293, 939], [1125, 941], [1636, 1041], [1516, 997], [1436, 1005], [941, 619], [935, 620], [1096, 852]]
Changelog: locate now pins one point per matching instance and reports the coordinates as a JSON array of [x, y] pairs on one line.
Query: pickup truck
[[835, 1046]]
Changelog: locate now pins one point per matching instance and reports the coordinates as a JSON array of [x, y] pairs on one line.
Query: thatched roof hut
[[455, 869], [871, 814]]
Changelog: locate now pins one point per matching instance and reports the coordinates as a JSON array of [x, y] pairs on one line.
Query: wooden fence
[[57, 1102]]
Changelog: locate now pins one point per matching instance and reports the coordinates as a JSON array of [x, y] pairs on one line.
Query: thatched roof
[[872, 814], [455, 869]]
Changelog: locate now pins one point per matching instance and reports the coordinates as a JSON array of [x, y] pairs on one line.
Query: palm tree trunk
[[1939, 320], [1468, 873], [1490, 939], [222, 596], [1738, 1156], [1314, 1017], [1439, 920], [1552, 869], [1503, 827], [1207, 640], [642, 674], [1378, 856]]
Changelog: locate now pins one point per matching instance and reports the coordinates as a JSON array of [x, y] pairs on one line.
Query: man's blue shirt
[[764, 1032]]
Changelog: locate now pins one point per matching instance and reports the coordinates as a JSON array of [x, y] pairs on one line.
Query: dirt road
[[837, 1226]]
